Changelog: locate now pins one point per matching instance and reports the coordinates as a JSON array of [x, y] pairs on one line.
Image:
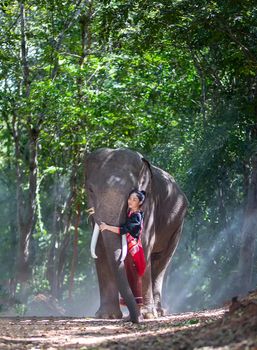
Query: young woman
[[135, 261]]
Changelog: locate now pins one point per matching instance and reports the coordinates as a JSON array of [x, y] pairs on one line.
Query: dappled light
[[75, 333], [165, 92], [222, 328]]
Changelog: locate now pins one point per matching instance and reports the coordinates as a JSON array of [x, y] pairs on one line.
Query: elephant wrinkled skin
[[110, 176]]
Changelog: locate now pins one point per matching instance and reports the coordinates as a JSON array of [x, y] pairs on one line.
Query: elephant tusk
[[94, 241], [124, 247]]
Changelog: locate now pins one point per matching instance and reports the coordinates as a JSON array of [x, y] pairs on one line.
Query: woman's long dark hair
[[140, 195]]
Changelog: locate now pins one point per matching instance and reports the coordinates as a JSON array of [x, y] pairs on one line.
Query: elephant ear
[[145, 175]]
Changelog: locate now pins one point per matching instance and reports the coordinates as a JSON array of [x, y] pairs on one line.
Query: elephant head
[[108, 183]]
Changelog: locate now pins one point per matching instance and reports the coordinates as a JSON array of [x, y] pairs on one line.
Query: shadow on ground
[[233, 327]]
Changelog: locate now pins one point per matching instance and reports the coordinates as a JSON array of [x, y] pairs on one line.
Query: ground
[[231, 327]]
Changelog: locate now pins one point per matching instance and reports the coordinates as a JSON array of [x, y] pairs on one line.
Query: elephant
[[110, 174]]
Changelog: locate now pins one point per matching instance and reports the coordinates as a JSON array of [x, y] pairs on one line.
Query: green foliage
[[175, 80]]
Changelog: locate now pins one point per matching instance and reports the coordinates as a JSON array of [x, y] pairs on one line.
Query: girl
[[135, 261]]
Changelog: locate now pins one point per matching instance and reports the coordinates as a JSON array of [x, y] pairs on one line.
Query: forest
[[174, 80]]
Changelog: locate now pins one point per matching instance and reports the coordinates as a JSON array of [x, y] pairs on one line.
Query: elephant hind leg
[[159, 268], [159, 263]]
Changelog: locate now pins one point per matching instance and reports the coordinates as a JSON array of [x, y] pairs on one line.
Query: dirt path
[[203, 330]]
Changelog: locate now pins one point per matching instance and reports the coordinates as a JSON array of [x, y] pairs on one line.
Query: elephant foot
[[161, 312], [108, 314], [149, 316], [148, 313]]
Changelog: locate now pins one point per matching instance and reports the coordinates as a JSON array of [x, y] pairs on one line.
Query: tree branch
[[67, 25]]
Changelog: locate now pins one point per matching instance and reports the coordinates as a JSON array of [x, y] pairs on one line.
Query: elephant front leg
[[109, 296]]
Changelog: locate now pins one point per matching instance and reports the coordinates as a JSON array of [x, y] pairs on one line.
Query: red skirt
[[136, 251]]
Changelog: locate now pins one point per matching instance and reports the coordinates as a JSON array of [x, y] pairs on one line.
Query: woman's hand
[[103, 226]]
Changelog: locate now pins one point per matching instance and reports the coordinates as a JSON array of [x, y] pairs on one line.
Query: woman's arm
[[114, 229], [133, 226]]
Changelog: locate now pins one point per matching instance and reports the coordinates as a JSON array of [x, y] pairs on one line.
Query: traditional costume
[[135, 260]]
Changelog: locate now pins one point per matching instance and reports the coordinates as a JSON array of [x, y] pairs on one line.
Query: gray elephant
[[110, 175]]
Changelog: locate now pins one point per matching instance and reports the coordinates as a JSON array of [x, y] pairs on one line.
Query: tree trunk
[[67, 219], [26, 204], [86, 38], [61, 237], [58, 42], [249, 232], [202, 78], [75, 251], [24, 51], [27, 209], [221, 203], [12, 209], [51, 270]]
